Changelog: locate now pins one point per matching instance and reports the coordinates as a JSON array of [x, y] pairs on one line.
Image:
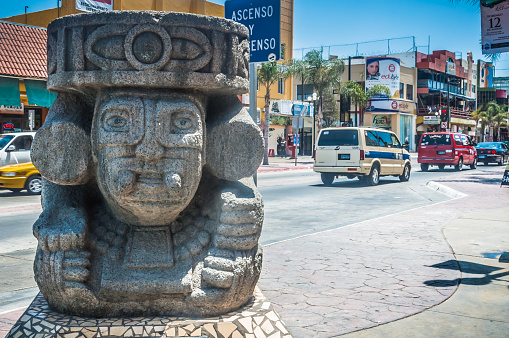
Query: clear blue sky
[[452, 26]]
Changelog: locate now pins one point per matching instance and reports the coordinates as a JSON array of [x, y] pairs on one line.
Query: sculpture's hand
[[61, 229]]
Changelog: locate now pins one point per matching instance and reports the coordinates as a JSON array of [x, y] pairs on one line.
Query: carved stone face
[[149, 152]]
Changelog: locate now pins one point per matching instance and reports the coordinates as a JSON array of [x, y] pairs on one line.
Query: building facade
[[24, 100], [446, 85]]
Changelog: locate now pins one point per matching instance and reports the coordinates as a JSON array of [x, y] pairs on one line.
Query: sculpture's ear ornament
[[234, 142], [61, 150]]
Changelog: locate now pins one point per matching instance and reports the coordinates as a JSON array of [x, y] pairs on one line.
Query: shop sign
[[13, 110], [433, 119], [450, 68], [8, 126], [383, 71], [391, 106], [94, 5], [383, 121]]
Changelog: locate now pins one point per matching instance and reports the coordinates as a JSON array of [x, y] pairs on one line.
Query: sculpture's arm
[[238, 229], [62, 226]]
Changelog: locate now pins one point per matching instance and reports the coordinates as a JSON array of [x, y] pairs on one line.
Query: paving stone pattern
[[255, 320], [373, 272]]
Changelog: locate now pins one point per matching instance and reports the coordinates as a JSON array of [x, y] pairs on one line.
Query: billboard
[[383, 71], [485, 74], [94, 5]]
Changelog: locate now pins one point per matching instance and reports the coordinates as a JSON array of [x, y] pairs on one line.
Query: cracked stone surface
[[373, 272]]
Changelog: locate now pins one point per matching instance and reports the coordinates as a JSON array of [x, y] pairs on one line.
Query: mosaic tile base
[[257, 319]]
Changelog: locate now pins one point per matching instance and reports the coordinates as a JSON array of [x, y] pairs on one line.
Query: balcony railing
[[453, 89], [462, 114]]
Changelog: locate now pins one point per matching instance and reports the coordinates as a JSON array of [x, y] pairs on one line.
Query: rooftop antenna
[[26, 14]]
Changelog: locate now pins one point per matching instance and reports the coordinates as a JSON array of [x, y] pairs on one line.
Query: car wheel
[[327, 178], [459, 166], [15, 190], [34, 185], [474, 165], [424, 166], [406, 173], [441, 166], [374, 175]]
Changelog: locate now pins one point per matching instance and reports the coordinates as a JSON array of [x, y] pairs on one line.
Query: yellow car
[[16, 177]]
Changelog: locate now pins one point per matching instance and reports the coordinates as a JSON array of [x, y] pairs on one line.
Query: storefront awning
[[38, 95], [9, 92]]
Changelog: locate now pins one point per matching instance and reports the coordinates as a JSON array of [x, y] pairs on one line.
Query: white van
[[365, 153], [15, 147]]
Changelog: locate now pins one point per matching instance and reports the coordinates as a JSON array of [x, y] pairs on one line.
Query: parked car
[[441, 149], [17, 177], [365, 153], [492, 152], [15, 147]]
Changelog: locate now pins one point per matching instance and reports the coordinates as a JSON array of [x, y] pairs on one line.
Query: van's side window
[[464, 140], [457, 140], [385, 139], [371, 138]]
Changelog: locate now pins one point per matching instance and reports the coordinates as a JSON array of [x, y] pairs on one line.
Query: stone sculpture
[[149, 205]]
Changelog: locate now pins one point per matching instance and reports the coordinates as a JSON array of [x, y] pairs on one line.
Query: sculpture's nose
[[149, 148]]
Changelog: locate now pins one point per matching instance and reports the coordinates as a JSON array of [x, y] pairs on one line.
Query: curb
[[445, 190], [260, 169]]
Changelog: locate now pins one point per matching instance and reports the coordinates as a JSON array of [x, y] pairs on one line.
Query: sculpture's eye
[[183, 123], [116, 121]]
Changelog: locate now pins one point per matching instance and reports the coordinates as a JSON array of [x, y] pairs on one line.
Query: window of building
[[280, 86], [409, 92], [401, 88], [308, 92], [473, 89]]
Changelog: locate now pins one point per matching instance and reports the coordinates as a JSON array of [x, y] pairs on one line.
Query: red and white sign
[[94, 5], [394, 105], [443, 125]]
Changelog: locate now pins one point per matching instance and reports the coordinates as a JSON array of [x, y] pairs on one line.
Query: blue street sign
[[263, 19]]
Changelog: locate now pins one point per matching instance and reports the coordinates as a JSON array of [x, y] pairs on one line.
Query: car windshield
[[436, 140], [4, 139], [339, 138], [488, 145]]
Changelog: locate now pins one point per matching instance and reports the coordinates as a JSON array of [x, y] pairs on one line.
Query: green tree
[[331, 110], [323, 75], [360, 98], [268, 74]]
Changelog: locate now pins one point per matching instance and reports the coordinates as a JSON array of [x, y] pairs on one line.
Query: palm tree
[[360, 97], [500, 118], [492, 109], [323, 75], [477, 115], [268, 74]]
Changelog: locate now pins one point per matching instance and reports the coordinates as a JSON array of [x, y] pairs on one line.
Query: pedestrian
[[283, 148], [407, 144], [279, 150]]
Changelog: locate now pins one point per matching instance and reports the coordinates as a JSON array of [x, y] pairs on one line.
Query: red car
[[443, 149]]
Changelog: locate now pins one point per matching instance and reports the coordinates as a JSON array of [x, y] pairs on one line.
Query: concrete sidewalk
[[428, 272], [286, 163]]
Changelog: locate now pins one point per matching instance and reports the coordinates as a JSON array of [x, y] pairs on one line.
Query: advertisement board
[[303, 109], [382, 121], [485, 72], [94, 5], [281, 107], [495, 26], [383, 71]]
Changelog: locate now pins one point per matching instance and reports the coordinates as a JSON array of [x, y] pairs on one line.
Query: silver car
[[15, 147]]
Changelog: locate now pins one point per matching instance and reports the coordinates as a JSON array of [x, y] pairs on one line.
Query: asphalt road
[[296, 204]]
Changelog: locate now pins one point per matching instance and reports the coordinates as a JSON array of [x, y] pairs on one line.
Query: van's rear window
[[436, 140], [339, 138]]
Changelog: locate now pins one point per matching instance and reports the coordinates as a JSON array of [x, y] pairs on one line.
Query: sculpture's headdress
[[175, 51]]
